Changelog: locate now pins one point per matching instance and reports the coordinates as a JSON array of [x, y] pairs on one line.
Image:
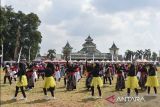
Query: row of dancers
[[128, 76]]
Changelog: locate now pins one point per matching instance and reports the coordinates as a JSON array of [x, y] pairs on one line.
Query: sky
[[130, 24]]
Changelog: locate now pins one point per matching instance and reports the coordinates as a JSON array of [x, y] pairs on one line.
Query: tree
[[51, 54], [154, 56], [129, 54], [139, 54], [147, 54], [19, 30]]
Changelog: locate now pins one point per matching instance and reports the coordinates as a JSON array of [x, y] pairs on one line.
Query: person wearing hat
[[49, 81], [152, 80], [22, 82], [132, 81], [96, 81]]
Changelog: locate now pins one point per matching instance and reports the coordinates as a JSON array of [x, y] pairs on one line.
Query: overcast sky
[[131, 24]]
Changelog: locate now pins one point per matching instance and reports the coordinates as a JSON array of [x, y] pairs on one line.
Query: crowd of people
[[128, 76]]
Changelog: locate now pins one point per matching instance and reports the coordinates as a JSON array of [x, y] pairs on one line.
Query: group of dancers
[[128, 76]]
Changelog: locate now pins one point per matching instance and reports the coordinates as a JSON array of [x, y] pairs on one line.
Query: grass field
[[76, 98]]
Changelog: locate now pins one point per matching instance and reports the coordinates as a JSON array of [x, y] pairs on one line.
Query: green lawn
[[76, 98]]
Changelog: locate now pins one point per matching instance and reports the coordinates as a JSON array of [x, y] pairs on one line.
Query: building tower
[[67, 49], [89, 47], [114, 51]]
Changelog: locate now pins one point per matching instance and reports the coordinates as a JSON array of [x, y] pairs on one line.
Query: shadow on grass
[[85, 100], [3, 85], [106, 85], [148, 98], [39, 91], [61, 87], [115, 91], [7, 102], [63, 91], [37, 101], [82, 91], [141, 91]]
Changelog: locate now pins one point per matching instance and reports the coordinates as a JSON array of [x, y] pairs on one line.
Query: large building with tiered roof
[[90, 52]]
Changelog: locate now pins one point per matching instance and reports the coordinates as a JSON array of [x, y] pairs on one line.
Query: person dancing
[[96, 81], [22, 82], [49, 81], [132, 81], [152, 80]]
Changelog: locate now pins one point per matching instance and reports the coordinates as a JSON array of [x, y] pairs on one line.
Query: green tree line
[[17, 30]]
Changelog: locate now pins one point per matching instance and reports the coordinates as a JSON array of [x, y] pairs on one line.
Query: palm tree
[[51, 54], [129, 54], [139, 54], [147, 54], [154, 56]]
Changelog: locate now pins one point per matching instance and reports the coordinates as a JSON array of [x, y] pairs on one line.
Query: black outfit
[[95, 73], [20, 73], [120, 79], [131, 73], [152, 72], [71, 79], [89, 77], [48, 73], [107, 76]]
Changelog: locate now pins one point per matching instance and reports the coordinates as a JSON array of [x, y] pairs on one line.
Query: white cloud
[[130, 27]]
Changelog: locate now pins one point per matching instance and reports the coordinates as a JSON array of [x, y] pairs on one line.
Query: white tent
[[107, 61], [46, 61], [103, 61], [97, 61]]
